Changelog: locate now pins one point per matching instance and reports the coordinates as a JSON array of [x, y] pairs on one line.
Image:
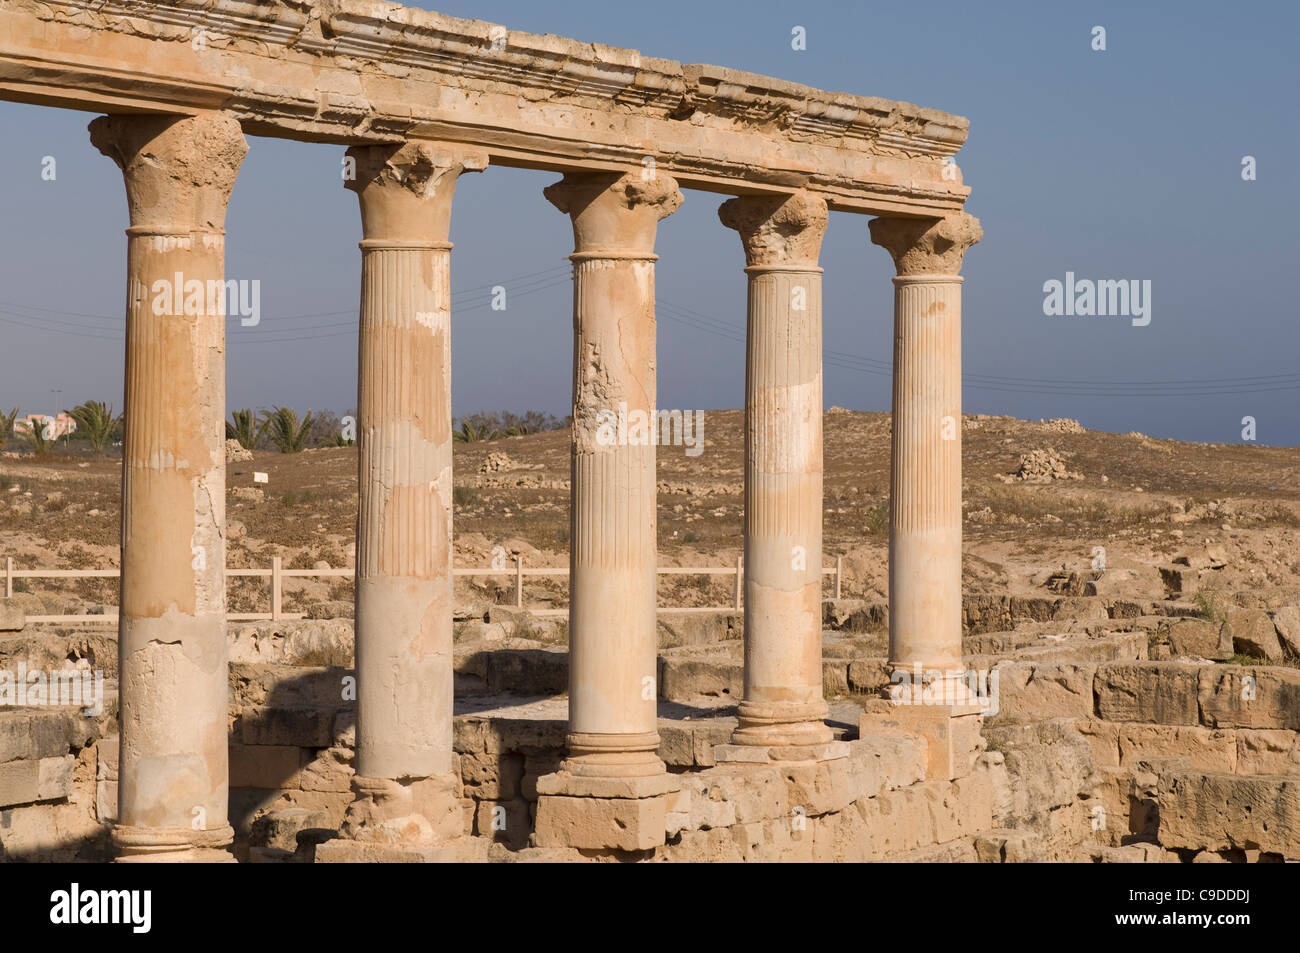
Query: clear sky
[[1120, 164]]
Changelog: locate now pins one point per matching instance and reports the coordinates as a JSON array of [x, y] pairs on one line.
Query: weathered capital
[[406, 190], [927, 246], [778, 229], [615, 212], [179, 171]]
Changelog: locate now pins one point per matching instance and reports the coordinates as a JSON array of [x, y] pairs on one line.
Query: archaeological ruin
[[225, 741]]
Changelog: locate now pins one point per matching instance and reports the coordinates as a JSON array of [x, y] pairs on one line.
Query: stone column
[[612, 583], [407, 792], [783, 708], [925, 614], [173, 788]]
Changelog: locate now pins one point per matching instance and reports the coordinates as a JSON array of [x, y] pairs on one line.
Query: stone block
[[54, 777], [1225, 811], [15, 735], [629, 824], [747, 793], [1286, 621], [492, 776], [685, 678], [1198, 638], [279, 829], [330, 771], [1033, 690], [107, 751], [1267, 751], [1266, 696], [1160, 692], [951, 732], [504, 822], [19, 782], [265, 766], [676, 743], [1206, 749], [299, 727], [1253, 634], [1103, 738], [868, 676], [462, 850], [106, 801], [12, 615]]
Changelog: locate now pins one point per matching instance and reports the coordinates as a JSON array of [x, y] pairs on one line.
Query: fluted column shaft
[[612, 621], [783, 703], [173, 775], [925, 490], [404, 529]]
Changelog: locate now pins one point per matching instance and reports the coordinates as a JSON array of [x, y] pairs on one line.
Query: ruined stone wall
[[1198, 760]]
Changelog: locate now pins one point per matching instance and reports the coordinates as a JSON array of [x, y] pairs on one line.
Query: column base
[[172, 845], [951, 733], [410, 813], [627, 756], [779, 731], [779, 754], [603, 813]]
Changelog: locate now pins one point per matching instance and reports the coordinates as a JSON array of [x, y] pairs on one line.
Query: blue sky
[[1117, 164]]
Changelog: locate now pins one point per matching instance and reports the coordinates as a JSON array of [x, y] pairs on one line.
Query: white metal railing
[[277, 574]]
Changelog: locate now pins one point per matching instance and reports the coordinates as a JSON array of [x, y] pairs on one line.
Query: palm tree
[[96, 422], [284, 429], [7, 423], [243, 427], [468, 433], [41, 435]]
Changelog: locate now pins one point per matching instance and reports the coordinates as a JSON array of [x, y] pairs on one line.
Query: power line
[[471, 299]]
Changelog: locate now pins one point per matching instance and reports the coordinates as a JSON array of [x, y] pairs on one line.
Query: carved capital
[[778, 229], [615, 212], [406, 190], [927, 246], [179, 171]]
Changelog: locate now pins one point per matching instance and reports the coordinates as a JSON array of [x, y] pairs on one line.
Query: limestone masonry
[[420, 751]]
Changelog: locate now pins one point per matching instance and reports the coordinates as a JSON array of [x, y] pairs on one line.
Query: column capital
[[927, 246], [179, 170], [778, 230], [615, 214], [406, 189]]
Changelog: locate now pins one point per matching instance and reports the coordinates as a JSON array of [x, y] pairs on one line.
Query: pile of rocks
[[1042, 466], [496, 462], [1065, 425], [235, 452]]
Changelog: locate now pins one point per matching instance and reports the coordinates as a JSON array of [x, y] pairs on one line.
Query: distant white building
[[62, 424]]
